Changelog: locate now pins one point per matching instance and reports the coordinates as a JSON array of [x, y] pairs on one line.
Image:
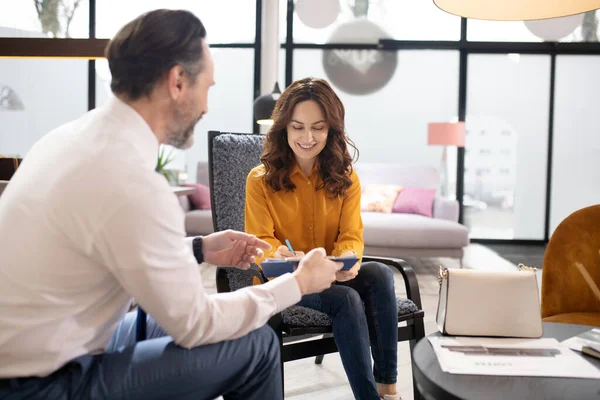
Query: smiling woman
[[309, 131], [307, 193]]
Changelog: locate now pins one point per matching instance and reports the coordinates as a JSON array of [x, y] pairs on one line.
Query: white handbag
[[489, 303]]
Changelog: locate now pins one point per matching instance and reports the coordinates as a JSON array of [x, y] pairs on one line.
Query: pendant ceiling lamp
[[264, 106], [516, 10]]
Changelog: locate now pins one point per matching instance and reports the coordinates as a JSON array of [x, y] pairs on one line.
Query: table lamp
[[445, 134], [516, 10]]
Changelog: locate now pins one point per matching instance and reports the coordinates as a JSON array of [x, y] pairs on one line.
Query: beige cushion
[[379, 197]]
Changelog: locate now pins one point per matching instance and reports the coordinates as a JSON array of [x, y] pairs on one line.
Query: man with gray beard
[[86, 225]]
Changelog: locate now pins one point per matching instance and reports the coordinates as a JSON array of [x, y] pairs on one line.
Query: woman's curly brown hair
[[334, 162]]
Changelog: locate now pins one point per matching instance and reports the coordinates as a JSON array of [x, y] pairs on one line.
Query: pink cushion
[[412, 200], [201, 197]]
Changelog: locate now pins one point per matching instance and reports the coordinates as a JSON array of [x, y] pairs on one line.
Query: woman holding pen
[[305, 195]]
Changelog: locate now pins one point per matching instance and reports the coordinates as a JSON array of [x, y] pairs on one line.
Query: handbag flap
[[492, 303]]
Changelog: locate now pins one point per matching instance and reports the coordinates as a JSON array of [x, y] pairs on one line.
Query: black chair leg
[[419, 334], [319, 359]]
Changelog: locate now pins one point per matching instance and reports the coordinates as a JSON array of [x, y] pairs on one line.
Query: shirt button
[[309, 183]]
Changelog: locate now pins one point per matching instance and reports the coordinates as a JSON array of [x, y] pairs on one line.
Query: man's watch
[[197, 247]]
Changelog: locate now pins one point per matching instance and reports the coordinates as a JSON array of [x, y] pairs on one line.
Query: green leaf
[[163, 159]]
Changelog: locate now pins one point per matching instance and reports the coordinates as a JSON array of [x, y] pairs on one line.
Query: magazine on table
[[510, 357]]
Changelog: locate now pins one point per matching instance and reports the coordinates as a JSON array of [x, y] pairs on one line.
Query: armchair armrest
[[223, 281], [444, 208], [410, 278]]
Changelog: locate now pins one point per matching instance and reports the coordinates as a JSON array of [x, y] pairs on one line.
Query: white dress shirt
[[86, 224]]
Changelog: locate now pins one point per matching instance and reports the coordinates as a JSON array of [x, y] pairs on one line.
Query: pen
[[287, 242]]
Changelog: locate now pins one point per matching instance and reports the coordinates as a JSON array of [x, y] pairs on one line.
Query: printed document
[[510, 357]]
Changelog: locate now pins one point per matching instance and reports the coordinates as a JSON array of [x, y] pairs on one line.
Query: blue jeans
[[245, 368], [363, 310]]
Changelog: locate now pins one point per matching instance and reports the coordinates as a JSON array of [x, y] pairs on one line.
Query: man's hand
[[283, 252], [315, 272], [232, 248], [343, 276]]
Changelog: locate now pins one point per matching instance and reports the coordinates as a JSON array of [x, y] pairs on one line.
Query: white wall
[[576, 156]]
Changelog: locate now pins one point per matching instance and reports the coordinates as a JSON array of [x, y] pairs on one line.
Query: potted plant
[[164, 159]]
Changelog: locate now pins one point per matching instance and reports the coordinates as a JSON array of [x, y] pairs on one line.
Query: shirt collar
[[139, 132], [297, 170]]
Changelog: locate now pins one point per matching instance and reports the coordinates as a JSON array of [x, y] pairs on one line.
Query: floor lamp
[[445, 134]]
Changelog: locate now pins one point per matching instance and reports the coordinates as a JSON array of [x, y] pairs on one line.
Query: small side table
[[183, 190], [433, 383]]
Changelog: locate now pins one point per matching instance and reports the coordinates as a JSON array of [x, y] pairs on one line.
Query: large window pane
[[390, 125], [506, 145], [395, 19], [36, 96], [579, 28], [226, 21], [576, 155], [229, 103], [36, 18]]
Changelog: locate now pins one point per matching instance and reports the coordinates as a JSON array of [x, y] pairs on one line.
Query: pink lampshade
[[446, 134]]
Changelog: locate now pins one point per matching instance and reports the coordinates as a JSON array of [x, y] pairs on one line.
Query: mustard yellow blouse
[[308, 218]]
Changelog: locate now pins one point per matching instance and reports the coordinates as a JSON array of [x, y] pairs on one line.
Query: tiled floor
[[304, 380]]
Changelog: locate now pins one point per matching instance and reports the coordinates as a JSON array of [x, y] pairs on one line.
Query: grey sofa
[[388, 235], [411, 235], [197, 222]]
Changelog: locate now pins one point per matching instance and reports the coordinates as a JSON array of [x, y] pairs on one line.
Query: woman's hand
[[283, 252], [344, 276]]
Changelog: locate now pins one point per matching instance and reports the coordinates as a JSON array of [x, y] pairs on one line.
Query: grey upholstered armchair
[[231, 157]]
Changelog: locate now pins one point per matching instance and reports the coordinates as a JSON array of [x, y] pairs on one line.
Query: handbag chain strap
[[523, 267], [443, 272]]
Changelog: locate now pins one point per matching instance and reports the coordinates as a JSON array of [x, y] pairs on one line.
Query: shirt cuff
[[338, 251], [286, 291]]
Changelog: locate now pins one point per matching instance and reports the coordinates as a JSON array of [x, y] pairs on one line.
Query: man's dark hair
[[145, 49]]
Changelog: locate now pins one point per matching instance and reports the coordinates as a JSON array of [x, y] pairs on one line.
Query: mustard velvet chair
[[566, 295]]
